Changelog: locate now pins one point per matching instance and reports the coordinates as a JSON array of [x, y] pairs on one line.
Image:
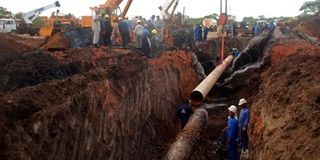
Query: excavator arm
[[166, 7], [112, 5]]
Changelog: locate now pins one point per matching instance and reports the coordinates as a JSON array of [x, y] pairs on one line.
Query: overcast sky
[[193, 8]]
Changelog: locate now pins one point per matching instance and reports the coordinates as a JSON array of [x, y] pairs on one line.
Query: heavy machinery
[[32, 15], [25, 24], [57, 22], [170, 22], [164, 9], [111, 8]]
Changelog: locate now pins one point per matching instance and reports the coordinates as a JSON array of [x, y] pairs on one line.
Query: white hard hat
[[233, 108], [242, 101]]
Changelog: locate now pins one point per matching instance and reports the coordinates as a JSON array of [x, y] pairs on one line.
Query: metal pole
[[226, 7], [220, 6], [183, 15]]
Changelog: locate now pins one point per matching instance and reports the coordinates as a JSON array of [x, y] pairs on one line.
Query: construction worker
[[205, 32], [197, 33], [235, 52], [256, 30], [124, 29], [146, 42], [243, 123], [270, 26], [138, 31], [96, 28], [150, 26], [154, 43], [152, 19], [184, 112], [232, 133], [159, 26], [115, 36], [106, 30]]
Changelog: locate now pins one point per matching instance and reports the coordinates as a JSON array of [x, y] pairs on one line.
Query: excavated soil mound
[[286, 112], [58, 40], [310, 26], [111, 103], [75, 38], [15, 44]]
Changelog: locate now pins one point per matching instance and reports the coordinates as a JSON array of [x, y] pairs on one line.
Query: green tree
[[4, 13], [249, 20], [311, 7]]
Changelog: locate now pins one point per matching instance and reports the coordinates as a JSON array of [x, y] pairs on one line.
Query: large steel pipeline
[[188, 137], [201, 91]]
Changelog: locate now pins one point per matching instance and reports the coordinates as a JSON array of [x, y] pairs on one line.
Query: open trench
[[111, 103], [95, 103]]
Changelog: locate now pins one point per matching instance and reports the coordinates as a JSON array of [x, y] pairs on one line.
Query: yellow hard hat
[[154, 31]]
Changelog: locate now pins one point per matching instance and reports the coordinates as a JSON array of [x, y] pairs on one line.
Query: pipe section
[[201, 91], [188, 137]]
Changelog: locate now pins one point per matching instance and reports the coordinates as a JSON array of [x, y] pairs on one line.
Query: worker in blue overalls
[[232, 133]]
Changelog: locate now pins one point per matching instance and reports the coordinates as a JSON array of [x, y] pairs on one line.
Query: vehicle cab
[[8, 25]]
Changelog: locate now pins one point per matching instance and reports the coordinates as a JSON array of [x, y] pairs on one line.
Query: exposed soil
[[285, 113], [91, 103], [15, 44], [310, 26]]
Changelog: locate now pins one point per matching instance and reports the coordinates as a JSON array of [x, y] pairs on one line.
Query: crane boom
[[166, 7], [30, 16], [112, 5]]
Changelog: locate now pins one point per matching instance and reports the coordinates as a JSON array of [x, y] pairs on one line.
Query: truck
[[8, 25], [25, 24]]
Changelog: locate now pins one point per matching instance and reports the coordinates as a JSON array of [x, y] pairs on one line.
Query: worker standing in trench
[[243, 123], [232, 133], [184, 112]]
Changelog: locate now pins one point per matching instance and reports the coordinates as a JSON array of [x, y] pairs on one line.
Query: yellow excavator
[[57, 22]]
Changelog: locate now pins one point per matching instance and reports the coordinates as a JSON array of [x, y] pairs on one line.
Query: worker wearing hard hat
[[154, 43], [243, 123], [106, 30], [232, 133]]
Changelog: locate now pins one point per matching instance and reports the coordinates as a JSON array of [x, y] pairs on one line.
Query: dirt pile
[[92, 104], [15, 44], [285, 113], [310, 26], [58, 40], [76, 38]]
